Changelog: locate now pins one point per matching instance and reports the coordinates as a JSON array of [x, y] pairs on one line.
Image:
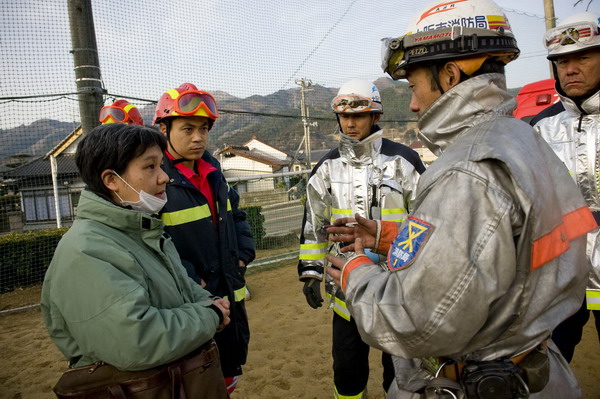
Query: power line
[[528, 14], [318, 44]]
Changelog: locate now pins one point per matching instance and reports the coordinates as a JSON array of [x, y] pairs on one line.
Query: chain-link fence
[[257, 58]]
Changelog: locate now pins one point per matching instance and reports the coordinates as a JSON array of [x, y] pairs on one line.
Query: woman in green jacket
[[115, 290]]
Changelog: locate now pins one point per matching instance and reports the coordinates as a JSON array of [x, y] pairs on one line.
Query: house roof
[[65, 143], [40, 167], [254, 138], [417, 144], [245, 152]]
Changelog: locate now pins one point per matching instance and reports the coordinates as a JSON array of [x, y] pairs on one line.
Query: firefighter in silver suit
[[366, 174], [492, 256], [572, 128]]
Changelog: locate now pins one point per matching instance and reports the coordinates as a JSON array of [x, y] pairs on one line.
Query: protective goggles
[[118, 114], [582, 34], [350, 104], [190, 102]]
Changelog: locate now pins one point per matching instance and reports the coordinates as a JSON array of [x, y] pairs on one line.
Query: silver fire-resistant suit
[[492, 257], [574, 135], [369, 177]]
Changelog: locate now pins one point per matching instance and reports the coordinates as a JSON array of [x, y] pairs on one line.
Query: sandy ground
[[290, 349]]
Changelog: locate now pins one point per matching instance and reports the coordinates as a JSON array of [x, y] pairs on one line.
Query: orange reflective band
[[389, 231], [552, 245], [351, 265]]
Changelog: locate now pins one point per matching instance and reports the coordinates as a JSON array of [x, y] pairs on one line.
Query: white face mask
[[148, 203]]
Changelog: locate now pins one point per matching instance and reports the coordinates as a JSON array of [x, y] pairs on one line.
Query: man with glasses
[[366, 174], [571, 127], [202, 216]]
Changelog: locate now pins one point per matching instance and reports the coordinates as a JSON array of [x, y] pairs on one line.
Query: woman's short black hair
[[113, 146]]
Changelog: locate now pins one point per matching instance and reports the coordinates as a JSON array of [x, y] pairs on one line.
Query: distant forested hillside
[[274, 119]]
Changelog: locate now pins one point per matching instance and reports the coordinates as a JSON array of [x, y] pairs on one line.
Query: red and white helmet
[[121, 111], [357, 96], [578, 32], [468, 30], [186, 100]]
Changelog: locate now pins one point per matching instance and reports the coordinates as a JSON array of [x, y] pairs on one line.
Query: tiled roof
[[41, 168]]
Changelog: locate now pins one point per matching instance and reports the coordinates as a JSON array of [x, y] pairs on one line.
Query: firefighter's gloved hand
[[312, 291]]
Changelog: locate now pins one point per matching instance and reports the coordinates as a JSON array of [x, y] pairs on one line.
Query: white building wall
[[242, 167], [245, 164]]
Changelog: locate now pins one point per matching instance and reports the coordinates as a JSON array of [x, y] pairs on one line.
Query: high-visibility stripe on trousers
[[593, 299], [337, 395], [339, 307]]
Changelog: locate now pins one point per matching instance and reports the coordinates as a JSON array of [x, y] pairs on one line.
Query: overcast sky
[[240, 47]]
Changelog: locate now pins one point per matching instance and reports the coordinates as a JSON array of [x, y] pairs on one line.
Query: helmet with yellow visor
[[121, 111], [186, 100]]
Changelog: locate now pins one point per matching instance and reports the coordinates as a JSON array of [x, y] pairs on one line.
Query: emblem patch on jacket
[[408, 243]]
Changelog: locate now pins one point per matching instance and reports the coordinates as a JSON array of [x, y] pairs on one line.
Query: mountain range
[[274, 119]]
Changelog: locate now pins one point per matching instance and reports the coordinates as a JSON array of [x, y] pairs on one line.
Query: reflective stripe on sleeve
[[339, 307], [337, 213], [555, 243], [393, 214], [313, 251], [592, 298], [186, 215], [350, 265]]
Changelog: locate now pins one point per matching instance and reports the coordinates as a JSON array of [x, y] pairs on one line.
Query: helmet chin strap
[[176, 161], [436, 76]]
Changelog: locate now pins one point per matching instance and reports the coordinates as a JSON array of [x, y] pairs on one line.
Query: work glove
[[312, 291]]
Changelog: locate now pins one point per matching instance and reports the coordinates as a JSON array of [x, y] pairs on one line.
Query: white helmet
[[463, 29], [357, 96], [579, 32]]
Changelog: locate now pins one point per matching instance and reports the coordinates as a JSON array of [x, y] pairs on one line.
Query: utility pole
[[305, 85], [87, 65], [550, 23], [549, 14]]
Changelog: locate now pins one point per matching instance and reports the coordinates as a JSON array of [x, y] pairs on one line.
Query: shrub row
[[24, 257]]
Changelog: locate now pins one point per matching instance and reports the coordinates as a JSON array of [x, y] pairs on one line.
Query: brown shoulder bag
[[195, 376]]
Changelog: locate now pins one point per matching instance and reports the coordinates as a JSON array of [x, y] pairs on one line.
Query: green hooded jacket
[[116, 291]]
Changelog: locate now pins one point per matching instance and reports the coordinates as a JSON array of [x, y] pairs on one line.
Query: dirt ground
[[290, 349]]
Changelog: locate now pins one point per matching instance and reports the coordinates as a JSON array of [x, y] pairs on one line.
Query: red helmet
[[186, 100], [121, 111]]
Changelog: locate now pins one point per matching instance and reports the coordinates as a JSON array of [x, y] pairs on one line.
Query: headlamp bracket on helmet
[[447, 43]]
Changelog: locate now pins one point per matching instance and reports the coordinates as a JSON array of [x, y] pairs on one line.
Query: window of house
[[38, 205]]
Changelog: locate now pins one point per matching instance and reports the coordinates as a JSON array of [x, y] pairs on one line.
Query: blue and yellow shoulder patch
[[408, 243]]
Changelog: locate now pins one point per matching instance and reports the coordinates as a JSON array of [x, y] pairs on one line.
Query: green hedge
[[256, 220], [24, 257]]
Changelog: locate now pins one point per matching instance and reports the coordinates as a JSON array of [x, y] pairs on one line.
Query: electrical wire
[[318, 44]]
